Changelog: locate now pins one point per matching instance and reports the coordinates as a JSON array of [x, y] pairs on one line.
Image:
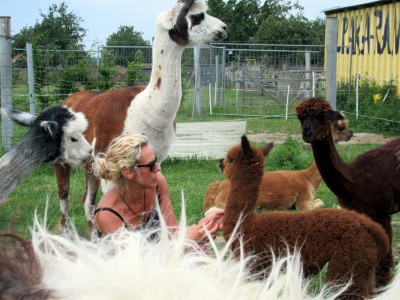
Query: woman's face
[[148, 167]]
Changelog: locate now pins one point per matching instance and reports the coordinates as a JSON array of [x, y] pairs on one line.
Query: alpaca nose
[[307, 132]]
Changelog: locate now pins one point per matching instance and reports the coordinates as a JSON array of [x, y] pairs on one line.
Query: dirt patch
[[358, 138]]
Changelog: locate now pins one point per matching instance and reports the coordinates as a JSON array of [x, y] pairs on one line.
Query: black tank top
[[152, 222]]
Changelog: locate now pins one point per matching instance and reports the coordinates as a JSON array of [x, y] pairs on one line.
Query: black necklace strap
[[141, 215]]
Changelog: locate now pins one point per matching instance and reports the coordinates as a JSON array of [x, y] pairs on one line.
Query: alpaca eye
[[301, 118], [321, 118], [230, 159], [74, 139], [197, 19]]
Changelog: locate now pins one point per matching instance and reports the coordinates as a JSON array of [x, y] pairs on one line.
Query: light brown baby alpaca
[[279, 190], [351, 244], [282, 189]]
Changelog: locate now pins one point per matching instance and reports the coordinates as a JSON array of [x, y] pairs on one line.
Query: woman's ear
[[128, 173]]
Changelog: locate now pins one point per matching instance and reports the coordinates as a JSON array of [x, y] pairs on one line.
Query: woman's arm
[[165, 203], [196, 232]]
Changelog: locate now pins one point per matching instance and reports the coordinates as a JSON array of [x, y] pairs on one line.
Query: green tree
[[135, 73], [57, 30], [273, 21], [125, 36], [281, 30], [277, 8], [239, 15], [58, 27]]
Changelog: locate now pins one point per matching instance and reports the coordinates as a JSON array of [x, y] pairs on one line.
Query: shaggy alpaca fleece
[[369, 184], [125, 265], [351, 245]]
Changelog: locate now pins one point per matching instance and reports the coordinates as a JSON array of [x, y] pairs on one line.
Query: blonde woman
[[131, 164]]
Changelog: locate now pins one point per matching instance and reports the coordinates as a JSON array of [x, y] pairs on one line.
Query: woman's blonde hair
[[123, 151]]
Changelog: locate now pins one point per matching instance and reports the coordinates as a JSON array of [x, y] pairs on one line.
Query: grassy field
[[192, 176]]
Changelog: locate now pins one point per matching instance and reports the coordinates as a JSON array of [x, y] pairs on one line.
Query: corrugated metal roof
[[339, 9]]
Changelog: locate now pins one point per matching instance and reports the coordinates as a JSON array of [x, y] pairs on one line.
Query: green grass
[[192, 176]]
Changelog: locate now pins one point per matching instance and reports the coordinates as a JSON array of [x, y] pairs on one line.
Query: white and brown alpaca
[[351, 244], [150, 110], [370, 184], [282, 189]]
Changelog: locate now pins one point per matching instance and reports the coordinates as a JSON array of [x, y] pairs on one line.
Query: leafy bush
[[377, 107], [289, 155], [135, 73], [70, 77], [21, 103], [104, 80]]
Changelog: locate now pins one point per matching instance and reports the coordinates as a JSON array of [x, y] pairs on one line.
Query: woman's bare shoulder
[[110, 198]]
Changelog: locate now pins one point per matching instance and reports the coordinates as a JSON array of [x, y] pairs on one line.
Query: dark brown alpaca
[[351, 244], [370, 184]]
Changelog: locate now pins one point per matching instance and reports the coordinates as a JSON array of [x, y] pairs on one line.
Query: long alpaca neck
[[333, 170], [242, 197], [313, 176], [160, 100], [153, 111], [18, 163]]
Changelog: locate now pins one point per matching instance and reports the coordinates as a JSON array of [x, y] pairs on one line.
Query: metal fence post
[[307, 73], [331, 59], [223, 64], [31, 78], [197, 80], [216, 89], [6, 80]]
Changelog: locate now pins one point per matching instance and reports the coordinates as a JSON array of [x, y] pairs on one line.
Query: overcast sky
[[103, 17]]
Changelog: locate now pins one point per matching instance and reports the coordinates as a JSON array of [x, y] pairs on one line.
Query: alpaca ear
[[22, 118], [335, 115], [167, 20], [187, 3], [267, 148], [247, 153], [50, 127]]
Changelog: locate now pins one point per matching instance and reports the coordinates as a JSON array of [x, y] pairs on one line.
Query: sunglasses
[[151, 165]]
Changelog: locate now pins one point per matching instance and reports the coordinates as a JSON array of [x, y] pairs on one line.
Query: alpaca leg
[[211, 194], [89, 198], [317, 203], [307, 203], [342, 272], [384, 269], [63, 174]]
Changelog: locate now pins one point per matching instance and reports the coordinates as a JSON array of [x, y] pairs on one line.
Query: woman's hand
[[217, 215], [211, 223]]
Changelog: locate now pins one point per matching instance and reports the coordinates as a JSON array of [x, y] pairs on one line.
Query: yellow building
[[368, 41]]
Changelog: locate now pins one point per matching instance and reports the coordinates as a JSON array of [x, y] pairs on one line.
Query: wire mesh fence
[[258, 83]]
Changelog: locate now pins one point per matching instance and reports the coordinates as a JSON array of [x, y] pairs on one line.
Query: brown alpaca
[[351, 244], [279, 190], [282, 189], [370, 184], [20, 270]]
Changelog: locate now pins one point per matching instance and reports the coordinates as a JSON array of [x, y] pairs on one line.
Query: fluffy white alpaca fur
[[125, 265]]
